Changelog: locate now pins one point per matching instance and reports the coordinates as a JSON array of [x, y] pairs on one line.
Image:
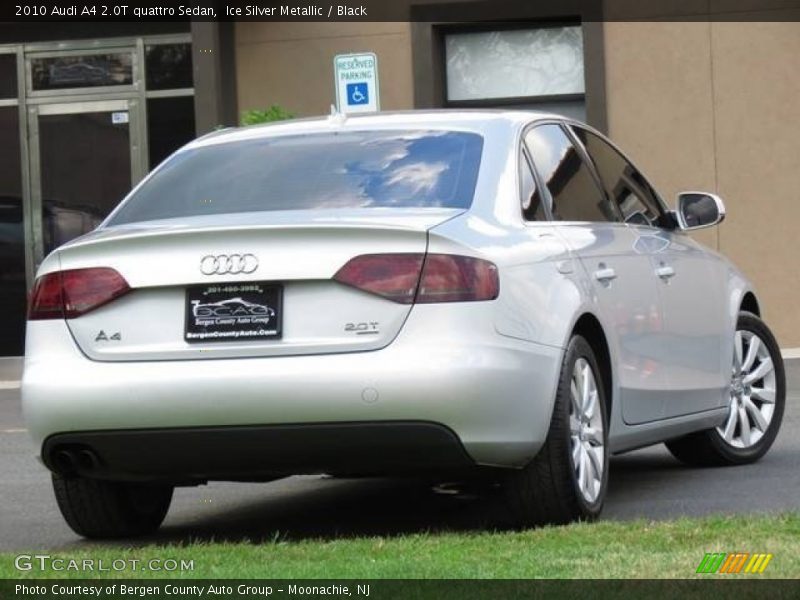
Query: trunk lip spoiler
[[415, 220]]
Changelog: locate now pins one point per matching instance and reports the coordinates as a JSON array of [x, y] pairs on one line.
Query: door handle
[[605, 274], [665, 272]]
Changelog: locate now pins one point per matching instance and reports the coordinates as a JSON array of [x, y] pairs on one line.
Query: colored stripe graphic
[[758, 563], [722, 562], [711, 562], [737, 561]]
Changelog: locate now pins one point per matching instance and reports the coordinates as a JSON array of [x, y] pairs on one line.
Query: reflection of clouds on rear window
[[419, 178], [321, 170]]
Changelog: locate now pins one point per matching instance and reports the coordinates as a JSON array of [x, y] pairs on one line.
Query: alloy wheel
[[752, 393], [586, 431]]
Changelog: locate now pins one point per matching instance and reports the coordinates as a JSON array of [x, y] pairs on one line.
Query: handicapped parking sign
[[357, 93], [356, 83]]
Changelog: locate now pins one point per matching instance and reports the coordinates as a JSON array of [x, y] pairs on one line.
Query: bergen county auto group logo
[[235, 310], [733, 563], [228, 264]]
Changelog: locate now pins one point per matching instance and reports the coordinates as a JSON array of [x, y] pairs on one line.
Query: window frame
[[524, 158], [564, 125]]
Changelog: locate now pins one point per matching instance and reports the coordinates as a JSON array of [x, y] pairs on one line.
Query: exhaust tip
[[87, 460], [69, 461], [64, 462]]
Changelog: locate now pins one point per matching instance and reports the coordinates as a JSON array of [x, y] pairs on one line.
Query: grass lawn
[[635, 549]]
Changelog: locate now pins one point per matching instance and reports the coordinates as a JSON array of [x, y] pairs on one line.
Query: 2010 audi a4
[[437, 292]]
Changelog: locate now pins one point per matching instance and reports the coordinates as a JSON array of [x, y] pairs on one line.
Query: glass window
[[575, 194], [170, 125], [168, 66], [12, 237], [8, 76], [318, 171], [514, 63], [532, 206], [91, 70], [81, 186], [635, 198]]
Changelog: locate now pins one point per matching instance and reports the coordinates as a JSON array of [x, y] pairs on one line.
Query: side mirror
[[697, 210]]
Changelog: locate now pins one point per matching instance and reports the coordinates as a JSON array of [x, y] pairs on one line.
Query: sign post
[[356, 81]]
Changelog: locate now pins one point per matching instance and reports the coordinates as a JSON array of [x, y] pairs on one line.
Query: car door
[[620, 280], [689, 282]]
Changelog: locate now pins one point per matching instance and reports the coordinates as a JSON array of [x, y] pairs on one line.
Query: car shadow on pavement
[[339, 508], [331, 508]]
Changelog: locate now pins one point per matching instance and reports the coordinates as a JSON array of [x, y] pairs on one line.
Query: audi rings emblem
[[228, 264]]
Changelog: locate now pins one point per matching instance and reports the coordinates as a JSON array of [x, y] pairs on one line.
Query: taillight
[[47, 299], [75, 292], [393, 276], [420, 278], [448, 278]]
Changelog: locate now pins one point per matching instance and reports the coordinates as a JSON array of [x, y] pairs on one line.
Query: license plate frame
[[233, 312]]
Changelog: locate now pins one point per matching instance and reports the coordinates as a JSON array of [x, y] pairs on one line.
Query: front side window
[[361, 169], [573, 189], [627, 188]]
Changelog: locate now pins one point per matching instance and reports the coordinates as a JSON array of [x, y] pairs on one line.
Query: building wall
[[291, 64], [713, 106]]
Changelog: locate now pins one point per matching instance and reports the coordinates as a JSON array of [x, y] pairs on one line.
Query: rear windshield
[[312, 171]]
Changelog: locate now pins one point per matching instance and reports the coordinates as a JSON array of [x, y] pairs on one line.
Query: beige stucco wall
[[713, 106], [291, 64]]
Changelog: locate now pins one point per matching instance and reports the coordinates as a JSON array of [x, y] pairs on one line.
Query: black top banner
[[31, 11]]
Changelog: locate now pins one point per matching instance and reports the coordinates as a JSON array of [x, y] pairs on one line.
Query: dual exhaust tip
[[70, 461]]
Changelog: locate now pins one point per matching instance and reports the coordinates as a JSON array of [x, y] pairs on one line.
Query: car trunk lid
[[245, 272]]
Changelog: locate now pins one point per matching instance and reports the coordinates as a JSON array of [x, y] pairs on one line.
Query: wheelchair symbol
[[357, 93]]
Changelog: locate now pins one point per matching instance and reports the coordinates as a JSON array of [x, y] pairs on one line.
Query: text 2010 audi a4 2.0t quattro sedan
[[427, 292]]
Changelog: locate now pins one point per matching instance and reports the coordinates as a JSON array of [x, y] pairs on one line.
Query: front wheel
[[755, 404], [567, 480]]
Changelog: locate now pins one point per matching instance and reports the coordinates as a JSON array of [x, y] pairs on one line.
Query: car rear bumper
[[493, 394], [256, 452]]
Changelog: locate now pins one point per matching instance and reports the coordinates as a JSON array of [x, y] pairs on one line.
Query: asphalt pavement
[[647, 483]]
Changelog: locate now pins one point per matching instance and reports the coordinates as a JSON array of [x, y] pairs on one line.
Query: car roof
[[475, 120]]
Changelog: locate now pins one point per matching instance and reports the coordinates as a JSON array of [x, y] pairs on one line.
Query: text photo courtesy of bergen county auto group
[[407, 299]]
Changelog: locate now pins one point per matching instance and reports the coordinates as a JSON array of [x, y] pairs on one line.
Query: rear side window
[[575, 193], [627, 188], [312, 171]]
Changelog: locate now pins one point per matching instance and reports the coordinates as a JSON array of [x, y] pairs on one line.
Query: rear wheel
[[567, 480], [755, 405], [108, 509]]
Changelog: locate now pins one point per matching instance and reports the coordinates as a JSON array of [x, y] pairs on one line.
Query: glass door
[[84, 158]]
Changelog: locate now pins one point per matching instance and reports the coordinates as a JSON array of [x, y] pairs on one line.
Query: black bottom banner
[[175, 589]]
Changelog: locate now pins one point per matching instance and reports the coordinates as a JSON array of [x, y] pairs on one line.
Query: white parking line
[[9, 385]]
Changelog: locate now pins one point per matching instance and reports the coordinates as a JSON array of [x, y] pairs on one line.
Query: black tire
[[709, 448], [108, 509], [546, 491]]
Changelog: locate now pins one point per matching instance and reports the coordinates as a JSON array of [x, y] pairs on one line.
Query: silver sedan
[[501, 293]]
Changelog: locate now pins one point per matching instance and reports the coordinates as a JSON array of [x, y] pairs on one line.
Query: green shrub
[[273, 113]]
